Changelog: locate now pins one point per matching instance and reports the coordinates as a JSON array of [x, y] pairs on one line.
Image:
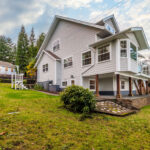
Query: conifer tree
[[22, 57], [40, 40]]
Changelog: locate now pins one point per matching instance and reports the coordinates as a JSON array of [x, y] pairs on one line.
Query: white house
[[97, 56], [6, 68]]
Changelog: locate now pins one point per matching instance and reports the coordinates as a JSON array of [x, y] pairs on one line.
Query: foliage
[[41, 123], [40, 40], [22, 57], [38, 87], [7, 49], [31, 71], [5, 80], [32, 47], [78, 99]]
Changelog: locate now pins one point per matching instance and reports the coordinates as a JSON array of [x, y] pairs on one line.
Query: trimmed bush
[[38, 87], [78, 99]]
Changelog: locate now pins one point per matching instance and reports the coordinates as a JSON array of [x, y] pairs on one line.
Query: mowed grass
[[43, 124]]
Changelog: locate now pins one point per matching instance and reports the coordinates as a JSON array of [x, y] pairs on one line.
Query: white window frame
[[82, 58], [45, 67], [109, 48], [124, 48], [124, 84], [58, 40], [63, 85], [94, 85], [64, 63]]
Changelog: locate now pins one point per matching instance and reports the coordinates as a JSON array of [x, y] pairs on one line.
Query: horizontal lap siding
[[46, 76], [134, 66], [123, 64], [74, 39]]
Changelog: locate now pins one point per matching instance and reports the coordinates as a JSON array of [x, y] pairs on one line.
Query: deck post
[[130, 86], [97, 87], [146, 87], [140, 86], [118, 86]]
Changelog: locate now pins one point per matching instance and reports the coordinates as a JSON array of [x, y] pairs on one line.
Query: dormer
[[110, 24]]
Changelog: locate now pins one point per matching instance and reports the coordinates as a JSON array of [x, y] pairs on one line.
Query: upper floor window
[[12, 69], [6, 69], [86, 58], [145, 70], [133, 52], [45, 68], [123, 48], [68, 62], [56, 45], [103, 53]]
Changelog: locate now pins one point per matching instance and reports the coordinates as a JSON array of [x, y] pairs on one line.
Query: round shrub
[[78, 99]]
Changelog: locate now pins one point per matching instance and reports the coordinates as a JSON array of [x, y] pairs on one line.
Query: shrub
[[5, 80], [38, 87], [78, 99]]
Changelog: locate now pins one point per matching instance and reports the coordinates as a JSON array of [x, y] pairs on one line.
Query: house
[[97, 56], [6, 68]]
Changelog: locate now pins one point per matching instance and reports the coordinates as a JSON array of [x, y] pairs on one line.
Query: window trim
[[110, 53], [121, 84], [67, 66], [82, 58], [45, 68], [124, 48], [54, 43], [136, 51], [62, 83], [94, 85]]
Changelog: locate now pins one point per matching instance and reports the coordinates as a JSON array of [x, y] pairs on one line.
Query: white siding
[[74, 39], [123, 64], [50, 74], [3, 70]]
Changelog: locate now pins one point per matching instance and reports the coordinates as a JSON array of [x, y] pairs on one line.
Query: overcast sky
[[39, 13]]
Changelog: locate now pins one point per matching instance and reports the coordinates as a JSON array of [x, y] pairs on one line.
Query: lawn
[[43, 124]]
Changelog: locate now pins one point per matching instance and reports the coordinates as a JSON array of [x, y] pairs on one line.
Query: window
[[123, 50], [45, 68], [133, 52], [145, 70], [72, 82], [56, 46], [64, 83], [11, 69], [122, 85], [86, 58], [68, 62], [92, 85], [103, 53]]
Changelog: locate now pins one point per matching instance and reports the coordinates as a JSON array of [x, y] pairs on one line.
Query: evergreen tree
[[6, 49], [32, 47], [40, 40], [22, 57]]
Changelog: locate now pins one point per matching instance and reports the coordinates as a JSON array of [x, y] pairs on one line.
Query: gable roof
[[6, 64], [49, 53], [138, 32], [113, 19], [56, 21]]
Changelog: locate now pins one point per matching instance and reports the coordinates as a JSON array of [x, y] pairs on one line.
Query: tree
[[22, 57], [6, 49], [32, 47], [31, 71], [40, 40]]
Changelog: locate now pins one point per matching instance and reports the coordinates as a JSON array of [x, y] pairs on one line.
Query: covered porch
[[117, 85]]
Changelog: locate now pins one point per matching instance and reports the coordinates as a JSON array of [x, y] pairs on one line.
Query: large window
[[56, 45], [133, 52], [103, 53], [92, 84], [123, 48], [68, 62], [86, 58], [145, 70], [45, 68]]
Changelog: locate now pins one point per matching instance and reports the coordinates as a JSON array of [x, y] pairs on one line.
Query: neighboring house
[[6, 68], [96, 56]]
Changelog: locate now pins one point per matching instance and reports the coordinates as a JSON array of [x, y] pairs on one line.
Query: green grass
[[43, 124]]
